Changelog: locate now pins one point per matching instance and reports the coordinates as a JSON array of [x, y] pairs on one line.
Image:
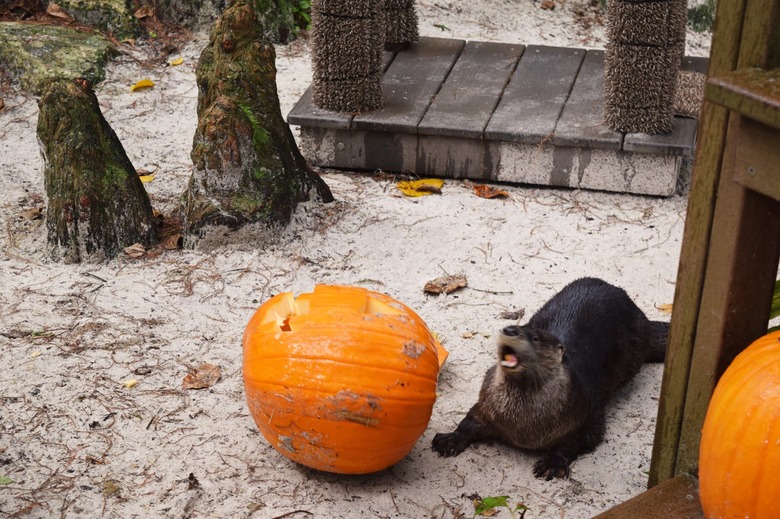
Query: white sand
[[76, 443]]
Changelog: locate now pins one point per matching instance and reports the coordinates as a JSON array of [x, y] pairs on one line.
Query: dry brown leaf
[[511, 315], [205, 375], [484, 191], [58, 12], [548, 5], [173, 242], [665, 309], [146, 11], [2, 104], [135, 251], [33, 213], [445, 284]]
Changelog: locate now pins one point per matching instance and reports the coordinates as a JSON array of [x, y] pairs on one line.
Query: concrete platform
[[494, 111]]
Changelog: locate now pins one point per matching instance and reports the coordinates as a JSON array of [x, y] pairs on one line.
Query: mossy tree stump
[[247, 167], [97, 205]]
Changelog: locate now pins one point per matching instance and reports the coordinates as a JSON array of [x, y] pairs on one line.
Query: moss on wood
[[96, 202], [112, 16], [38, 53], [247, 167]]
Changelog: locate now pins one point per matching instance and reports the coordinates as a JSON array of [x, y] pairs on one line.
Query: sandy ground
[[75, 442]]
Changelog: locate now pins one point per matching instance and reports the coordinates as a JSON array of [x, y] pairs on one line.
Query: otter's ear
[[561, 349]]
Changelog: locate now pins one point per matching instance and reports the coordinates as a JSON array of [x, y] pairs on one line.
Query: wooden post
[[730, 249]]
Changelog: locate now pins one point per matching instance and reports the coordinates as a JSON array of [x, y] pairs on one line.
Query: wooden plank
[[679, 142], [695, 246], [695, 64], [409, 85], [535, 96], [760, 42], [757, 164], [582, 121], [751, 92], [739, 280], [306, 113], [676, 498], [463, 106]]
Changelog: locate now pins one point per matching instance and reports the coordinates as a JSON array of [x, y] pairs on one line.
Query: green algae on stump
[[37, 53], [247, 167], [97, 205], [113, 16]]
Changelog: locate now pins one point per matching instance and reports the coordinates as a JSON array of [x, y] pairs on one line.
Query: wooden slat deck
[[495, 111]]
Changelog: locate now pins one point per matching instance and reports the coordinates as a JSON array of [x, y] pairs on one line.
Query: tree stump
[[247, 167], [347, 41], [641, 64], [97, 205]]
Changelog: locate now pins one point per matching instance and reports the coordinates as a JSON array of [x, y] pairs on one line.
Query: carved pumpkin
[[342, 379], [739, 457]]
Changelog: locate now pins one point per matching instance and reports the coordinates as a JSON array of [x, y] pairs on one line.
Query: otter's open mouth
[[508, 358]]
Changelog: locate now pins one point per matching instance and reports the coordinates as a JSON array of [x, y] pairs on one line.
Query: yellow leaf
[[176, 62], [144, 83], [36, 354], [146, 178], [130, 383], [666, 309], [422, 187]]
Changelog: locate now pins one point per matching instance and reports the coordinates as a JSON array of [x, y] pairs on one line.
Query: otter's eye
[[534, 338]]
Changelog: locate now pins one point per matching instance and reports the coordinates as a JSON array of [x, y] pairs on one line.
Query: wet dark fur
[[575, 352]]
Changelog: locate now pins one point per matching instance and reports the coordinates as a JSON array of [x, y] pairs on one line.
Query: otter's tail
[[658, 337]]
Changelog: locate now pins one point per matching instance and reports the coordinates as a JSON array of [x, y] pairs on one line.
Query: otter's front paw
[[450, 444], [552, 466]]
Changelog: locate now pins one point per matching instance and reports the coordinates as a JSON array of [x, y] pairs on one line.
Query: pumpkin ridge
[[349, 363], [393, 398]]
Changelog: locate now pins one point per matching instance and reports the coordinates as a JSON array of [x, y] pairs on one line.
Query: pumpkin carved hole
[[285, 327]]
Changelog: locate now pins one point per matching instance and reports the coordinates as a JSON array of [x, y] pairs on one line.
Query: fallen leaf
[[142, 84], [422, 187], [176, 62], [144, 12], [2, 104], [33, 213], [484, 191], [445, 284], [36, 354], [665, 309], [515, 315], [135, 251], [130, 383], [173, 242], [146, 178], [58, 12], [467, 335], [205, 375], [5, 480], [548, 5]]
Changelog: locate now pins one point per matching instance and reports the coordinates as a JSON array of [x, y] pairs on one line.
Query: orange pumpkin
[[342, 379], [739, 457]]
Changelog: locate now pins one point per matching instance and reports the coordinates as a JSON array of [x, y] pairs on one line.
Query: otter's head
[[528, 353]]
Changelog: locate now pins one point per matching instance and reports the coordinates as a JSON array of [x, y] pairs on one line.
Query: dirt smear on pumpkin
[[78, 439]]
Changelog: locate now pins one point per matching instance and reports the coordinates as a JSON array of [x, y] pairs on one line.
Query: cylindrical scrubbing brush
[[347, 41], [641, 64]]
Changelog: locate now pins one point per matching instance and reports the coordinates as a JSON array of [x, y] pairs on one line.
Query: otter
[[554, 376]]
